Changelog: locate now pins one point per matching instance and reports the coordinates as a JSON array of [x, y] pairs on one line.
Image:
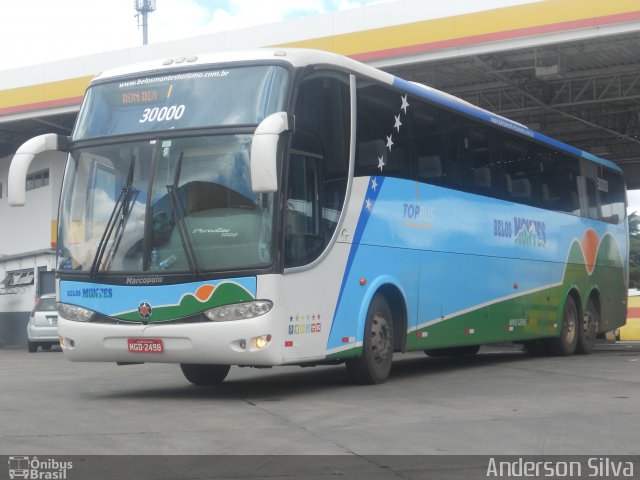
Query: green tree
[[634, 250]]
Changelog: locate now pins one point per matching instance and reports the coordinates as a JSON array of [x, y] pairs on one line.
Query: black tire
[[588, 328], [566, 343], [374, 365], [204, 374], [32, 347]]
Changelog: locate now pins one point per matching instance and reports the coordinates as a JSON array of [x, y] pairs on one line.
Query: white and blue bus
[[286, 207]]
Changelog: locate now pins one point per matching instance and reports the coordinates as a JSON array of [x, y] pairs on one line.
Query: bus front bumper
[[247, 342]]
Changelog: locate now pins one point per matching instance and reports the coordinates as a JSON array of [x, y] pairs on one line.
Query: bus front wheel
[[204, 374], [374, 365]]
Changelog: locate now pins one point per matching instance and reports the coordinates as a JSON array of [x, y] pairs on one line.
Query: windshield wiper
[[121, 211], [185, 238]]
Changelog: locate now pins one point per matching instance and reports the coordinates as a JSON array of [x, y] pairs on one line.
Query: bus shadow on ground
[[276, 383]]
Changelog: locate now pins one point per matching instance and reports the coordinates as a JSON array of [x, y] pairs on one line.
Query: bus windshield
[[202, 98], [182, 204]]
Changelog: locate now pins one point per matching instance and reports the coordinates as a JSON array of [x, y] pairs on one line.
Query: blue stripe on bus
[[365, 213]]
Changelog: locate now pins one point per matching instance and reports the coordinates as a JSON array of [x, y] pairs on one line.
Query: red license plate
[[145, 345]]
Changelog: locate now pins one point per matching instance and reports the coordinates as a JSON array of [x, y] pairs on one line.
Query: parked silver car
[[42, 329]]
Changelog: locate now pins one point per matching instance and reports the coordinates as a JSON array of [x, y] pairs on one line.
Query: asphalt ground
[[500, 402]]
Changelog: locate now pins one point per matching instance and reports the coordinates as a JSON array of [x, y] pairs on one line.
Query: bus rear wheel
[[374, 365], [566, 343], [199, 374], [588, 328]]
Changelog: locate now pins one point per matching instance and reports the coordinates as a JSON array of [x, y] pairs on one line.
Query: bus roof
[[303, 57], [296, 57]]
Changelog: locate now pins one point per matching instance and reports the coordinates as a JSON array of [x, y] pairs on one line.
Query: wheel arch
[[390, 288], [595, 295]]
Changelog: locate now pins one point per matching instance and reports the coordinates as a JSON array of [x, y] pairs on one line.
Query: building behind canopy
[[568, 68]]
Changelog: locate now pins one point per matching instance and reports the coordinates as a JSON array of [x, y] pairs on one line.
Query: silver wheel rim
[[570, 325], [590, 324], [380, 338]]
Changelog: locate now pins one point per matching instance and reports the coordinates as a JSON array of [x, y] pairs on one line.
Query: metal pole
[[145, 37]]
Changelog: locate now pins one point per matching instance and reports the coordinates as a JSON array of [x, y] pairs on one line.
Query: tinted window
[[612, 196], [522, 170], [384, 142], [445, 148], [482, 152], [437, 146]]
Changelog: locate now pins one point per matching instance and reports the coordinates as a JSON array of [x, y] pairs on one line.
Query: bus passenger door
[[315, 183]]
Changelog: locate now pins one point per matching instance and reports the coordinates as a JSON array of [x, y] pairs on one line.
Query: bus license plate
[[145, 345]]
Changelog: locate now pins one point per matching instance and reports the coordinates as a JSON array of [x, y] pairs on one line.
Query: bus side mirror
[[264, 152], [22, 159]]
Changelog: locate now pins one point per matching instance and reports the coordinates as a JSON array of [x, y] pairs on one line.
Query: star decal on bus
[[381, 162], [389, 142], [374, 184], [398, 123], [405, 104]]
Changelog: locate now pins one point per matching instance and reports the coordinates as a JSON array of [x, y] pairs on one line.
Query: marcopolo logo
[[143, 280], [38, 469]]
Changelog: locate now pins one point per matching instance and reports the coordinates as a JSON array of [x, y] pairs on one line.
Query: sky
[[633, 196], [38, 31]]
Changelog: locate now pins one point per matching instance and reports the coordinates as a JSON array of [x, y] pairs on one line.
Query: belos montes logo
[[145, 310]]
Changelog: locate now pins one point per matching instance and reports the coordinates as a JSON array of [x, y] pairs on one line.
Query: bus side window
[[523, 170], [558, 174], [371, 154], [612, 196], [430, 168], [482, 156], [568, 170], [384, 140], [588, 190], [436, 145]]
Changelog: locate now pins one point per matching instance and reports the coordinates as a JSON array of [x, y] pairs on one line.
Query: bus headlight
[[74, 313], [239, 311]]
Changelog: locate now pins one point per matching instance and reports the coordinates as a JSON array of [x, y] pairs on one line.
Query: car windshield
[[182, 204]]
